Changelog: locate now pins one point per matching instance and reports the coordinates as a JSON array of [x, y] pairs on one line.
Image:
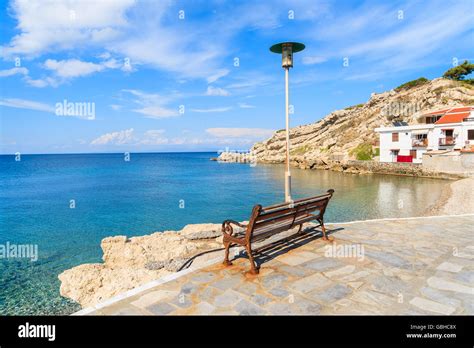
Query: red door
[[404, 158]]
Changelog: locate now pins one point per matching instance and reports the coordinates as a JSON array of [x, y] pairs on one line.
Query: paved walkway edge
[[171, 277]]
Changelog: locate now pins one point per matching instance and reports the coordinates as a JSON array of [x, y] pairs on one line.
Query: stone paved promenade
[[409, 266]]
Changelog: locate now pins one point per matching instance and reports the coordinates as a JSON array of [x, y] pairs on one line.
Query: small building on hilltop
[[448, 129]]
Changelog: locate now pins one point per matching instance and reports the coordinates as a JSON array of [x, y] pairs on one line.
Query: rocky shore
[[131, 262], [344, 166]]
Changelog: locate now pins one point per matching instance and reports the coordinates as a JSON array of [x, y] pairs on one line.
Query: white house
[[448, 129]]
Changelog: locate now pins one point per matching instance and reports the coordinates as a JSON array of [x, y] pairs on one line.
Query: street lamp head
[[287, 49]]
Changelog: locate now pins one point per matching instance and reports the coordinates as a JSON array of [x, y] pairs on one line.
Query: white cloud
[[240, 132], [115, 138], [222, 109], [157, 112], [217, 75], [153, 105], [41, 83], [72, 67], [216, 91], [26, 104], [310, 60], [154, 137], [14, 71], [246, 106], [115, 107], [52, 25]]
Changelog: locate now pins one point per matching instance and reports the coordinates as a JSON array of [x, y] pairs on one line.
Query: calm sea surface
[[144, 195]]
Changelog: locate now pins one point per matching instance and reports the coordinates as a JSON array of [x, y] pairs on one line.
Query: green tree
[[459, 72]]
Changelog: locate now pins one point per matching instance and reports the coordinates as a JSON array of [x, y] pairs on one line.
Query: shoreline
[[344, 166], [129, 263]]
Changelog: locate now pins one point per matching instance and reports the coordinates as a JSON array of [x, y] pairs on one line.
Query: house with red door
[[450, 129]]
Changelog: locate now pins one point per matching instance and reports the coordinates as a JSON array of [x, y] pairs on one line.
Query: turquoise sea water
[[146, 194]]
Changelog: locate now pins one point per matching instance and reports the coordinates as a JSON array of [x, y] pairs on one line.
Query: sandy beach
[[456, 198]]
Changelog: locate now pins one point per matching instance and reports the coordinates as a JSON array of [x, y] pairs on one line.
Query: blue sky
[[198, 75]]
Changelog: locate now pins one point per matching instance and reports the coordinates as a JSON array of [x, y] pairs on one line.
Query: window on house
[[448, 132], [413, 153], [470, 134], [394, 136], [432, 119]]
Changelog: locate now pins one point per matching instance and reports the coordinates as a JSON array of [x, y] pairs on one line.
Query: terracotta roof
[[450, 110], [453, 118], [453, 115]]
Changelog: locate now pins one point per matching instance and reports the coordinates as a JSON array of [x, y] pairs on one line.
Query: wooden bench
[[268, 221]]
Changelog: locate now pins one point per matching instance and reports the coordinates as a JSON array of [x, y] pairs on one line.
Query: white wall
[[404, 145], [458, 129]]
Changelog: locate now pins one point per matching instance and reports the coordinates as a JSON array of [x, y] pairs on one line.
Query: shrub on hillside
[[363, 152], [413, 83], [460, 72]]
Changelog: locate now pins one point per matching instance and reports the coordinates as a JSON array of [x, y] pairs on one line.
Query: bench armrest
[[227, 226]]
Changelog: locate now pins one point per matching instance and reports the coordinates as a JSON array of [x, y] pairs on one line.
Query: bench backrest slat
[[283, 216]]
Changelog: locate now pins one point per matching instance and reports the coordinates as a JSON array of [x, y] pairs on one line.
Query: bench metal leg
[[253, 268], [226, 255], [323, 229], [300, 229]]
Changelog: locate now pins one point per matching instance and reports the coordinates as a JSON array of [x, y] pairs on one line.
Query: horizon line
[[107, 153]]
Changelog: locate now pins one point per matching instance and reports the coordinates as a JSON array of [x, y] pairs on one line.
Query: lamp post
[[286, 49]]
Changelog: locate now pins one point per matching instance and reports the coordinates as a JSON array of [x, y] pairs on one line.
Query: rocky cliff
[[339, 136]]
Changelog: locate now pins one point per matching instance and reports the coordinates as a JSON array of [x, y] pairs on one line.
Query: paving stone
[[432, 306], [161, 308], [128, 310], [442, 284], [465, 277], [229, 282], [273, 279], [227, 299], [440, 297], [340, 271], [388, 258], [204, 308], [260, 300], [373, 298], [303, 306], [294, 259], [323, 264], [203, 277], [208, 294], [312, 282], [331, 294], [247, 288], [468, 307], [449, 267], [182, 301], [355, 276], [278, 292], [295, 271], [465, 255], [355, 285], [189, 288], [246, 308], [153, 297], [388, 285], [280, 309]]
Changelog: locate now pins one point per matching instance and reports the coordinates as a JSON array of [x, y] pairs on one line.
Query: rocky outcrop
[[131, 262], [330, 142]]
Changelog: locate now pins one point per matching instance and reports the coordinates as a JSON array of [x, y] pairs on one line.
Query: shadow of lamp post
[[286, 49]]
